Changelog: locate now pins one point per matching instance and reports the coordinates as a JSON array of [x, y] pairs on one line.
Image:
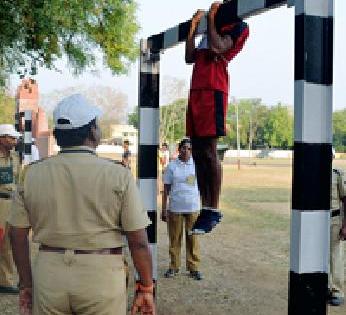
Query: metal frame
[[308, 276]]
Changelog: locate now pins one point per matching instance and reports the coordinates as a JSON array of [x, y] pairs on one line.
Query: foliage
[[133, 118], [339, 130], [172, 121], [259, 125], [278, 128], [38, 32], [7, 108]]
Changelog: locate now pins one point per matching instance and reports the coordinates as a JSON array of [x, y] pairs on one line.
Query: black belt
[[335, 213], [4, 195], [103, 251]]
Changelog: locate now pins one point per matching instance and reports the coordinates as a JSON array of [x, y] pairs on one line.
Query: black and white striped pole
[[27, 136], [310, 220], [149, 115]]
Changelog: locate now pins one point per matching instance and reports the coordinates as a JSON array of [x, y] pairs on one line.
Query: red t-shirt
[[210, 69]]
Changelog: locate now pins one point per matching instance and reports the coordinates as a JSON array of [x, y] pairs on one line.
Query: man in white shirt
[[180, 185]]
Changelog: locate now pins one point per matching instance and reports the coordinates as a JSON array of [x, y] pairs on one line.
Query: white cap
[[77, 112], [8, 130]]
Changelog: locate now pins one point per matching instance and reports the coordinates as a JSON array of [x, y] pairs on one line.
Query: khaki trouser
[[336, 276], [175, 232], [73, 284], [7, 267]]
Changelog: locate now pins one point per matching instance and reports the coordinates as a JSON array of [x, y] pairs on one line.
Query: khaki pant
[[70, 284], [175, 232], [336, 276], [7, 267]]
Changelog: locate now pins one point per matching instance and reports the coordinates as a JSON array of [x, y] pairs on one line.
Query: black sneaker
[[9, 290], [171, 273], [196, 275], [206, 221]]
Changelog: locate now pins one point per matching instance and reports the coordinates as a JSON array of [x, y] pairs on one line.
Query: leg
[[208, 169], [51, 280], [336, 277], [192, 244], [98, 285], [175, 231], [7, 267]]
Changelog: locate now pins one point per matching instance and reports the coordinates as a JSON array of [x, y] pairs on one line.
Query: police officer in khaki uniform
[[9, 170], [337, 235], [78, 205]]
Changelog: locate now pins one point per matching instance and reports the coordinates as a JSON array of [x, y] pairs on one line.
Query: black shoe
[[171, 273], [9, 290], [336, 300], [206, 221], [197, 275]]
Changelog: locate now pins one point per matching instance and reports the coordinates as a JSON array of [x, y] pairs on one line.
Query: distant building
[[119, 133]]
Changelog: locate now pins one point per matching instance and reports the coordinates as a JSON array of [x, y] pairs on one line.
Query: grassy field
[[245, 261]]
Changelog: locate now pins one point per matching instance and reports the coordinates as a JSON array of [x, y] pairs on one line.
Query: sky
[[264, 69]]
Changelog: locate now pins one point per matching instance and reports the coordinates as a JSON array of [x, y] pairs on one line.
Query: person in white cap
[[9, 170], [78, 209]]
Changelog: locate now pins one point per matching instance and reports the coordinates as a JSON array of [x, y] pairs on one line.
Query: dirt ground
[[245, 261]]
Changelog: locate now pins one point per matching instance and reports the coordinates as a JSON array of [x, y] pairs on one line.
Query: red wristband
[[141, 288]]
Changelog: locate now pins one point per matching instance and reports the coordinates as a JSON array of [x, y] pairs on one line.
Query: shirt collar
[[189, 161], [79, 148]]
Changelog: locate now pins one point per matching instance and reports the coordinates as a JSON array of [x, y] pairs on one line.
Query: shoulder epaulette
[[39, 161], [113, 161]]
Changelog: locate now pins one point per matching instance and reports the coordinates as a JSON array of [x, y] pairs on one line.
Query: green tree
[[278, 129], [173, 121], [252, 116], [339, 130], [133, 118], [37, 32]]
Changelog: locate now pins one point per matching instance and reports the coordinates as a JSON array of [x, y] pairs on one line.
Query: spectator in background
[[126, 158], [336, 277], [9, 174], [180, 185], [164, 156], [35, 154]]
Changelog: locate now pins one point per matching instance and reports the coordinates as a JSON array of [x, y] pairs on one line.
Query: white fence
[[275, 154]]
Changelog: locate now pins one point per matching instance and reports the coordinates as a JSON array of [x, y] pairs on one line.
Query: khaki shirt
[[77, 200], [9, 172], [338, 188]]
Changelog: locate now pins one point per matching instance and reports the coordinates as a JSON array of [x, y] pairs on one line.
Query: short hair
[[165, 144], [127, 142], [73, 137], [184, 141]]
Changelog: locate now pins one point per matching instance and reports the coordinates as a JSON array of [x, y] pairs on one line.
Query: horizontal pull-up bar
[[228, 12]]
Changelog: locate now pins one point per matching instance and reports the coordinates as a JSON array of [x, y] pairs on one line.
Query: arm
[[190, 41], [343, 228], [21, 255], [217, 43], [166, 191], [138, 244], [141, 256]]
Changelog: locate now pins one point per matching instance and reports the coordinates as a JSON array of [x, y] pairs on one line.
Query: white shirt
[[184, 194], [203, 44], [35, 154]]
